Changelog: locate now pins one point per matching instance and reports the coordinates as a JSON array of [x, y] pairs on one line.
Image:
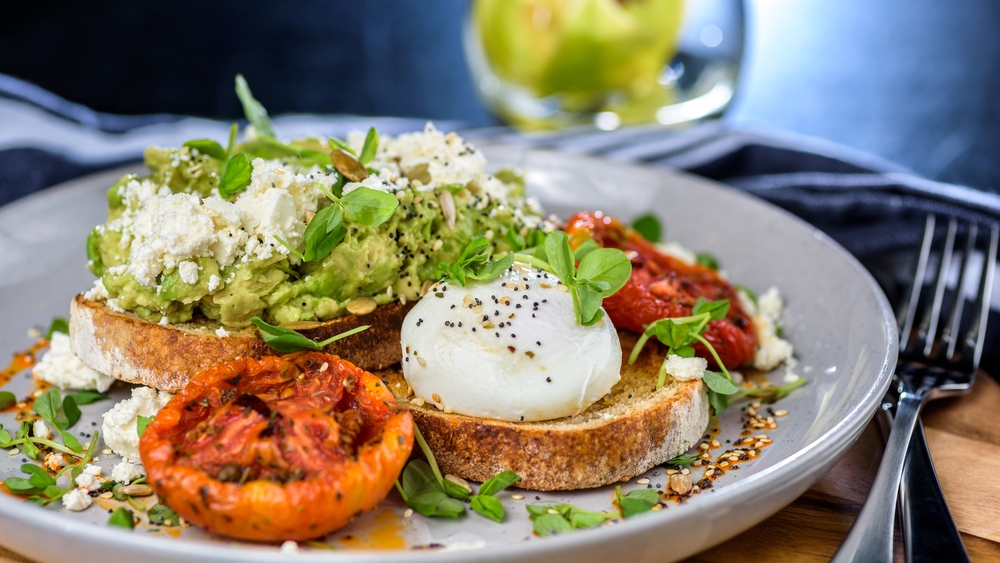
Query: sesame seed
[[643, 481], [517, 497], [781, 413]]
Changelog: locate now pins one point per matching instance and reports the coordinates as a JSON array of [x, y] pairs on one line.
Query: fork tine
[[908, 314], [977, 332], [952, 328], [929, 326]]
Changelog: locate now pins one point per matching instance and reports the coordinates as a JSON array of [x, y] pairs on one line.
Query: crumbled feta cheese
[[113, 304], [772, 350], [98, 292], [164, 320], [89, 480], [678, 251], [271, 214], [213, 282], [221, 332], [61, 367], [120, 423], [289, 547], [685, 369], [168, 230], [40, 430], [188, 271], [229, 234], [126, 472], [431, 159], [76, 499]]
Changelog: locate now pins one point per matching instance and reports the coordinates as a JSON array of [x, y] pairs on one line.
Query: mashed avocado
[[173, 249]]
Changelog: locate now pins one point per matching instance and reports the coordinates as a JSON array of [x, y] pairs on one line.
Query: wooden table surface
[[963, 435]]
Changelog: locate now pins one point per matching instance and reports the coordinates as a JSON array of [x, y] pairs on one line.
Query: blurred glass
[[552, 64]]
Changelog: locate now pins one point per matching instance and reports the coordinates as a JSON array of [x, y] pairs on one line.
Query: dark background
[[914, 81]]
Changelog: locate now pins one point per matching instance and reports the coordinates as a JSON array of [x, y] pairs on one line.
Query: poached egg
[[509, 349]]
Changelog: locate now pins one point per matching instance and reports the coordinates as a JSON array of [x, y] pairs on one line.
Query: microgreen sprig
[[425, 490], [559, 518], [474, 263], [679, 336], [287, 340], [41, 486], [325, 231], [601, 273], [635, 502]]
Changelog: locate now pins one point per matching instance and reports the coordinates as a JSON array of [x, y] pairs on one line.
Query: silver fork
[[933, 363]]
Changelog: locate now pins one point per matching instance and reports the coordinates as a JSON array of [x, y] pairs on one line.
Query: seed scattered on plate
[[517, 497], [643, 481], [781, 413], [13, 452], [407, 513], [106, 451]]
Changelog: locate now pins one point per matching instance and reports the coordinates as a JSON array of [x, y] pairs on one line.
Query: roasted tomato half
[[280, 448], [662, 286]]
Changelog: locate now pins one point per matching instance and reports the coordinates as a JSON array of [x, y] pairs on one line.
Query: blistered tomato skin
[[281, 448], [663, 287]]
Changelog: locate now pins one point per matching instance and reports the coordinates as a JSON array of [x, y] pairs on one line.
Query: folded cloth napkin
[[873, 208]]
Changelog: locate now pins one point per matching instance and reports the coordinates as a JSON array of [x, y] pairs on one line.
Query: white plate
[[839, 321]]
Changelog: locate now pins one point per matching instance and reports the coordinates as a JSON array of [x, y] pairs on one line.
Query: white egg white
[[510, 349]]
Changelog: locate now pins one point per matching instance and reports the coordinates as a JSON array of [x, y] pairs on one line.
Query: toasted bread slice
[[631, 429], [123, 346]]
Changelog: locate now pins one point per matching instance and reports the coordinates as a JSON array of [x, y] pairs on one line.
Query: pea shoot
[[601, 271], [283, 339], [679, 336]]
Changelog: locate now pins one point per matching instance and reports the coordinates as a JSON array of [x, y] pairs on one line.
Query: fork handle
[[870, 538], [929, 533]]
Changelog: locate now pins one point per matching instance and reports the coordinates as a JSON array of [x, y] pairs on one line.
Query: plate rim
[[848, 429]]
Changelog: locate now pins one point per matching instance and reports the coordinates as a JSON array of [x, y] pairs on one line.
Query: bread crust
[[126, 347], [621, 436]]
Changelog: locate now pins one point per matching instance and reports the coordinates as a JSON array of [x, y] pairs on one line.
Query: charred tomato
[[277, 448], [662, 286]]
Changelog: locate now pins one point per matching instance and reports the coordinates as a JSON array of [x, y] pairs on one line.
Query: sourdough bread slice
[[123, 346], [630, 430]]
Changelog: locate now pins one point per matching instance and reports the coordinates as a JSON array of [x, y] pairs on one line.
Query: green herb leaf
[[208, 147], [370, 207], [40, 478], [492, 269], [454, 490], [142, 424], [607, 265], [499, 483], [649, 227], [287, 340], [637, 501], [7, 400], [19, 486], [88, 397], [254, 111], [516, 241], [584, 249], [48, 405], [71, 442], [560, 257], [683, 459], [323, 233], [122, 518], [489, 506], [5, 438], [235, 176], [719, 383], [718, 401], [371, 145], [231, 147], [337, 144], [586, 519], [71, 411], [550, 524], [707, 260], [59, 324], [24, 433], [161, 515], [423, 493], [716, 309], [587, 303]]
